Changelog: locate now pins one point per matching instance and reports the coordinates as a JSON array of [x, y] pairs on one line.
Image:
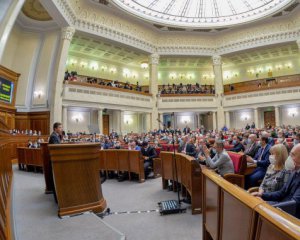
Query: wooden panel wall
[[39, 121]]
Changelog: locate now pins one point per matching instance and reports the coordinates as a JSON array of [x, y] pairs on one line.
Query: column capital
[[298, 43], [217, 60], [67, 33], [154, 59]]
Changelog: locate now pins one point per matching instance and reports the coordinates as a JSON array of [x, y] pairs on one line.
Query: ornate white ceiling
[[202, 13]]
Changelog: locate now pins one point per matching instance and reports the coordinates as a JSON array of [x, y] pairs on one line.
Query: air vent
[[292, 7], [105, 2], [175, 29], [277, 14], [202, 30]]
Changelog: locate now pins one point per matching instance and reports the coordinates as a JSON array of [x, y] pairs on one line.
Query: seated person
[[290, 190], [281, 139], [29, 143], [221, 161], [276, 175], [252, 146], [190, 148], [148, 153], [237, 145], [261, 159], [133, 145]]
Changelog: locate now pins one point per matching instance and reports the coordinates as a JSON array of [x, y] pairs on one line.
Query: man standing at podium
[[55, 136]]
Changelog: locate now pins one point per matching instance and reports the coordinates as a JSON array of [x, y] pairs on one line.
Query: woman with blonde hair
[[276, 175]]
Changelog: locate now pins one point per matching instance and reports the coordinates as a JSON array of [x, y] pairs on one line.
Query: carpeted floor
[[35, 214]]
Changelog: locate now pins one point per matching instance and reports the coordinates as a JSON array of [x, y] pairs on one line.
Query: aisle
[[36, 213]]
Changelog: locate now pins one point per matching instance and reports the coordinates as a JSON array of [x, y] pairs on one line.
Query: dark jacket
[[290, 191], [263, 162], [237, 148], [191, 150], [252, 150], [149, 152], [54, 138]]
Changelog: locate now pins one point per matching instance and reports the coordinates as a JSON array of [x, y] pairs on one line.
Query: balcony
[[105, 95]]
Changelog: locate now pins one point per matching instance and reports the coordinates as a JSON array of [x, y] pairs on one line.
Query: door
[[269, 118], [105, 122]]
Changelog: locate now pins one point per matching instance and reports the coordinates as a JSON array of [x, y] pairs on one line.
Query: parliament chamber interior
[[150, 119]]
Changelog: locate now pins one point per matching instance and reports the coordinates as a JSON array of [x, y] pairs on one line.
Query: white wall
[[182, 117], [278, 66], [133, 124], [287, 118], [238, 119], [32, 55], [82, 125]]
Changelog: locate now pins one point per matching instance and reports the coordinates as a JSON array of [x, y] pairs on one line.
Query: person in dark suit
[[186, 130], [237, 145], [253, 125], [291, 190], [190, 148], [55, 137], [148, 153], [252, 147], [261, 159]]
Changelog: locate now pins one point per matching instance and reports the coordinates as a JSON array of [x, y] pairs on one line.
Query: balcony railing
[[263, 84]]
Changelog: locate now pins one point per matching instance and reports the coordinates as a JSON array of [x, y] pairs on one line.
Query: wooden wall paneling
[[269, 117]]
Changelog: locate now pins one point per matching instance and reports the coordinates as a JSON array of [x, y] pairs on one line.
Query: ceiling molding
[[30, 24], [85, 16]]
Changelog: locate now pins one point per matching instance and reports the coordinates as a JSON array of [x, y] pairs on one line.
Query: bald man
[[291, 190], [252, 147]]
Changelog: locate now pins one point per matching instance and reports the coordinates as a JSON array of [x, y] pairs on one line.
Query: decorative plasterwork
[[67, 33], [201, 14], [216, 60], [86, 16], [154, 59], [33, 9]]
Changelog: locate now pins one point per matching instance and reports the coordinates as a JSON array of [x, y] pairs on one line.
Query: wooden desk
[[230, 213], [76, 178], [122, 160], [250, 168], [189, 176], [29, 157], [274, 224]]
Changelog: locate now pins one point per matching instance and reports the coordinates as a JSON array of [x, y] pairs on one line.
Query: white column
[[100, 120], [122, 127], [65, 118], [256, 117], [277, 116], [227, 117], [219, 89], [161, 119], [199, 119], [214, 121], [148, 122], [56, 103], [153, 88], [8, 21]]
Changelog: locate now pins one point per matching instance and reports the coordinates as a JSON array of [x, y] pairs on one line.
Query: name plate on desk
[[76, 178]]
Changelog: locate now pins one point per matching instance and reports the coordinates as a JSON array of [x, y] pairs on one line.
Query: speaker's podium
[[76, 178]]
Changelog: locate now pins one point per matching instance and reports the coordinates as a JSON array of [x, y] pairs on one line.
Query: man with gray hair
[[221, 161], [252, 147]]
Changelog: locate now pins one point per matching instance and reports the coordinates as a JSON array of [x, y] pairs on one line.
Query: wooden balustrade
[[263, 84], [188, 174], [5, 185], [230, 213]]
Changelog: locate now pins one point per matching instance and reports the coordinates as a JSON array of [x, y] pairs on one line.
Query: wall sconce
[[245, 117], [77, 118], [185, 119], [292, 112], [112, 70], [38, 94], [128, 119], [103, 68], [94, 66], [144, 65]]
